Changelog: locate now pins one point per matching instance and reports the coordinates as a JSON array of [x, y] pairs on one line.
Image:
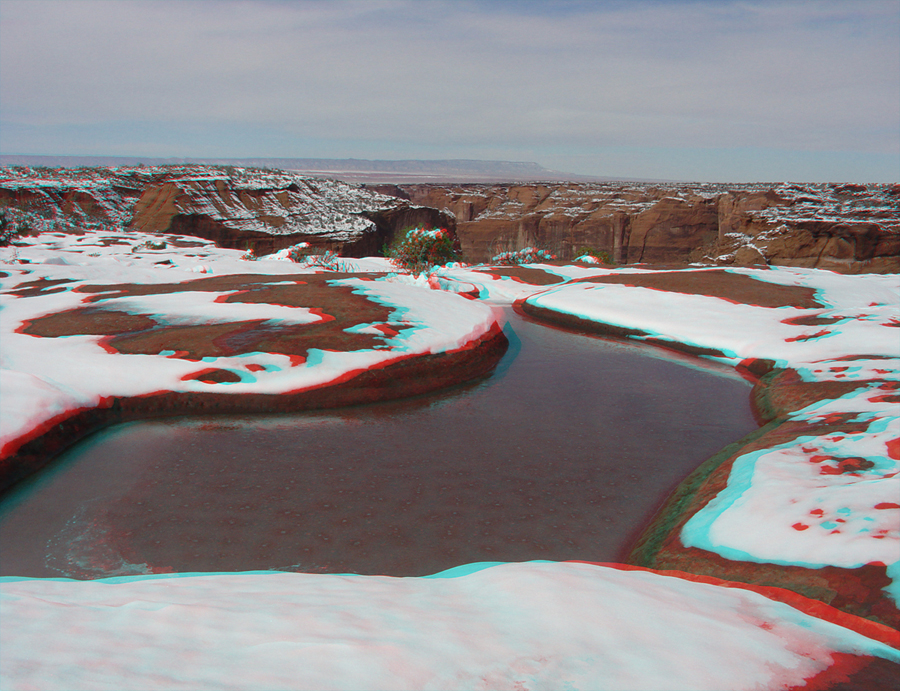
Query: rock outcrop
[[842, 227], [278, 342], [264, 210], [847, 228], [72, 198], [828, 424], [237, 208]]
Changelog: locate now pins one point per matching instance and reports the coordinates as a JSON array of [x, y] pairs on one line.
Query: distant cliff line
[[849, 228], [346, 169]]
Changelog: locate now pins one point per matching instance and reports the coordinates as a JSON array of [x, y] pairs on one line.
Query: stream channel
[[564, 452]]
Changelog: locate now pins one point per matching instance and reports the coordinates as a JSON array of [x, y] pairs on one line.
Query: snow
[[207, 307], [41, 383], [805, 502], [443, 321], [791, 504], [829, 202], [533, 625], [740, 331], [831, 499], [530, 625]]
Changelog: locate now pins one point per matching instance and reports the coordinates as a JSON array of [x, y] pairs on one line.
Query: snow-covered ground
[[864, 311], [535, 625], [805, 502], [39, 380], [518, 626]]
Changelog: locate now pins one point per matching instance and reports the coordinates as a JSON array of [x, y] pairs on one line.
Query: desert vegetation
[[526, 255], [418, 250]]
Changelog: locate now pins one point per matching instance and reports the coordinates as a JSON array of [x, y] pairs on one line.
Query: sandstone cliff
[[265, 210], [842, 227], [847, 228], [237, 208], [64, 198]]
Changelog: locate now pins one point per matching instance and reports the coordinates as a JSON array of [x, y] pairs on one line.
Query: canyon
[[849, 228], [104, 320], [255, 209], [842, 227]]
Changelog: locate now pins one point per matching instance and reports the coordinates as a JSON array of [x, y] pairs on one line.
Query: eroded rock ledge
[[240, 208], [814, 414], [228, 344], [841, 227], [849, 228]]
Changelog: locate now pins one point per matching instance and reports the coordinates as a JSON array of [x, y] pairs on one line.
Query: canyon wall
[[262, 210], [842, 227]]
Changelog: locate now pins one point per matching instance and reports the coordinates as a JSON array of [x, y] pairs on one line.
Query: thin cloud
[[430, 79]]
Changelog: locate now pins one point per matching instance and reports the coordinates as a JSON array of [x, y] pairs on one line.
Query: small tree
[[420, 249], [300, 252], [10, 230]]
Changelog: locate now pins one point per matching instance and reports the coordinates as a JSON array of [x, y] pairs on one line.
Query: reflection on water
[[562, 454]]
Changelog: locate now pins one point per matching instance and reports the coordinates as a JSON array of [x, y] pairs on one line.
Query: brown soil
[[139, 334], [523, 274], [781, 392], [340, 307], [90, 321], [40, 286], [718, 283]]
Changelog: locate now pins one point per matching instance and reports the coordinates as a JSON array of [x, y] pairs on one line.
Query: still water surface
[[563, 453]]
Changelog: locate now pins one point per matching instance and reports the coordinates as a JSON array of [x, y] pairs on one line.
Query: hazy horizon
[[699, 90], [348, 169]]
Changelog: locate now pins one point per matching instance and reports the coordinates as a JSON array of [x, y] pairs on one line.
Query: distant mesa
[[346, 169]]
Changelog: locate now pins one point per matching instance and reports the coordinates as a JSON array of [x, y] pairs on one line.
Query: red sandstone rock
[[850, 228], [263, 210], [847, 228], [403, 374]]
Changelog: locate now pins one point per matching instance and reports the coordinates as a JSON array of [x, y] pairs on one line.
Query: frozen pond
[[563, 453]]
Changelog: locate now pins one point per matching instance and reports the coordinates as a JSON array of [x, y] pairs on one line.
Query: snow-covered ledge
[[527, 626], [815, 493], [93, 335]]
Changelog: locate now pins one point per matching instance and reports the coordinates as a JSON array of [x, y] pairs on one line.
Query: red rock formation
[[405, 374], [849, 228], [237, 208], [270, 210], [843, 227], [71, 198]]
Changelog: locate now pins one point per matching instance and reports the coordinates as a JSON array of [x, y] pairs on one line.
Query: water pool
[[563, 453]]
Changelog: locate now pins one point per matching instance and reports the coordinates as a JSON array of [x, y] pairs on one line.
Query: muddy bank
[[777, 394]]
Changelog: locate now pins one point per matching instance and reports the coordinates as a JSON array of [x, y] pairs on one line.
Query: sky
[[704, 90]]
